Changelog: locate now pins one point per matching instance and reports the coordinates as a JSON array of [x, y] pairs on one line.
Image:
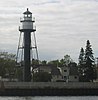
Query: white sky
[[63, 26]]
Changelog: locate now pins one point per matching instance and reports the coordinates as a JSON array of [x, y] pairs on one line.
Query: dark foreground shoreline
[[50, 92], [48, 89]]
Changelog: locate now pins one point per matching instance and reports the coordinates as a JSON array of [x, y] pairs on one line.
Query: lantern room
[[27, 15], [26, 22]]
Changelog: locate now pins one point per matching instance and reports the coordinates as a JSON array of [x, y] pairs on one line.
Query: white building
[[61, 74], [65, 73], [70, 73], [54, 71]]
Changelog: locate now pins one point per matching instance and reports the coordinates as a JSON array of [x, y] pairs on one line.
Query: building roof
[[45, 67], [48, 68], [55, 71]]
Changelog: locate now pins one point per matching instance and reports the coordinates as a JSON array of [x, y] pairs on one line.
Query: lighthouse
[[26, 28]]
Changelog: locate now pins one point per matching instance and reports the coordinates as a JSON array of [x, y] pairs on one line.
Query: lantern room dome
[[27, 12]]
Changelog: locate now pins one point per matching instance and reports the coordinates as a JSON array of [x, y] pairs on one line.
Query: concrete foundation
[[48, 89]]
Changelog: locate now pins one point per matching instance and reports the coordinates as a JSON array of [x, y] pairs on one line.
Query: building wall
[[73, 78], [65, 73], [56, 78]]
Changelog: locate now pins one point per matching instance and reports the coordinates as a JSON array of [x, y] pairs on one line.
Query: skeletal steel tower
[[27, 26]]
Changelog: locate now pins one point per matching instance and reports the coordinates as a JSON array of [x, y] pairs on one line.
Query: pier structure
[[48, 89], [27, 44]]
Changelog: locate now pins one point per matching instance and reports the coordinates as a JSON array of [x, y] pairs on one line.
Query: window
[[64, 77], [25, 15], [65, 70], [29, 15], [75, 77]]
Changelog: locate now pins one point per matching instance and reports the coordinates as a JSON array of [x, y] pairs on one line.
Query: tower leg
[[36, 46]]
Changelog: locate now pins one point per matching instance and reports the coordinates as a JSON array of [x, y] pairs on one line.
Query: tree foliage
[[89, 62], [87, 70], [54, 63], [67, 59], [62, 62], [81, 62], [81, 56], [7, 64]]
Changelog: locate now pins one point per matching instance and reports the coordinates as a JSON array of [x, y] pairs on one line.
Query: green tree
[[44, 62], [87, 70], [81, 57], [19, 74], [62, 62], [2, 68], [7, 64], [81, 64], [66, 60], [89, 63], [54, 63], [35, 63]]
